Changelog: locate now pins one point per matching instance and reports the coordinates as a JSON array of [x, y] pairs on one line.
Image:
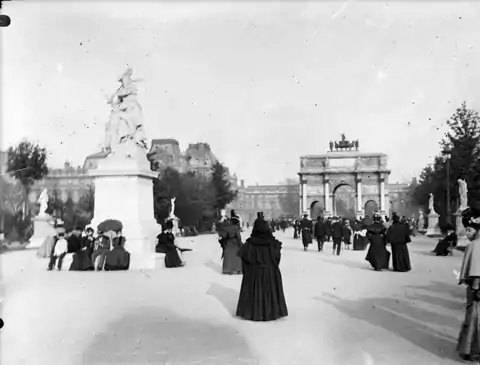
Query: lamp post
[[447, 153]]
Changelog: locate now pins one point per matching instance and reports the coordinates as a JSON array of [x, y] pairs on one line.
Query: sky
[[262, 83]]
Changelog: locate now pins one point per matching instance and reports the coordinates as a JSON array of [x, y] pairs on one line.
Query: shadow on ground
[[214, 266], [157, 336], [226, 296], [403, 319]]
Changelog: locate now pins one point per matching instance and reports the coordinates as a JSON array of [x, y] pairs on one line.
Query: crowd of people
[[90, 251], [261, 296]]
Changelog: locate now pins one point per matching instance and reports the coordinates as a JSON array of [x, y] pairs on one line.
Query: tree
[[55, 203], [27, 163], [222, 187], [290, 201], [463, 137], [194, 198]]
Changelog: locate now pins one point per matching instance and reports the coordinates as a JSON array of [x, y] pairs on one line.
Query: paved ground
[[341, 312]]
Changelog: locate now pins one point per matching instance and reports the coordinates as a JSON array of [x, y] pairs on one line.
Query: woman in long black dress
[[82, 258], [118, 259], [173, 255], [398, 235], [261, 294], [359, 239], [445, 245], [377, 254], [468, 345], [231, 242]]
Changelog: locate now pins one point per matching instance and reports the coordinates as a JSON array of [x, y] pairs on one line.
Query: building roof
[[164, 141], [346, 154]]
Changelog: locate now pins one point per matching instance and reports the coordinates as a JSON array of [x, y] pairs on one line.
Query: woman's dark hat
[[471, 218], [169, 224], [260, 215]]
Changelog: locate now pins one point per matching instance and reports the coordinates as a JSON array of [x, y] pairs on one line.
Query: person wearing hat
[[398, 235], [306, 227], [337, 235], [469, 338], [231, 241], [377, 254], [261, 296], [445, 245]]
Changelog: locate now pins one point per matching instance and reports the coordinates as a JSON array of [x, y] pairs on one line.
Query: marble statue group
[[126, 119]]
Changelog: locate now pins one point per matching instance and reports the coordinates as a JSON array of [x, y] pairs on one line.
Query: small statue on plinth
[[463, 193], [431, 209], [43, 201]]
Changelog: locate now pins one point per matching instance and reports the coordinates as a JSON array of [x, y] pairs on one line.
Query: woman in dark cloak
[[295, 229], [377, 254], [173, 255], [445, 245], [261, 294], [118, 259], [82, 259], [359, 239], [398, 235], [468, 345], [231, 242], [347, 234]]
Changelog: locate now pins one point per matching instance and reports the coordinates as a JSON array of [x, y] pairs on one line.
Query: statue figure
[[43, 201], [331, 146], [343, 137], [421, 220], [356, 145], [172, 207], [430, 204], [126, 118], [463, 192]]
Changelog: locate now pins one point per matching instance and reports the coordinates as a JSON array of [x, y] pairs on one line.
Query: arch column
[[382, 196], [360, 210], [326, 191]]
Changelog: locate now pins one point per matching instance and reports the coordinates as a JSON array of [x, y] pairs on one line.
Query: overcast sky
[[263, 83]]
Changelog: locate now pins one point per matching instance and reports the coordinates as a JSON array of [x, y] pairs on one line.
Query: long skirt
[[359, 242], [306, 237], [45, 250], [261, 295], [82, 261], [295, 233], [378, 256], [468, 345], [232, 264], [400, 257]]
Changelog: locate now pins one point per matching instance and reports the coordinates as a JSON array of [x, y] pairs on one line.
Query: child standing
[[59, 252]]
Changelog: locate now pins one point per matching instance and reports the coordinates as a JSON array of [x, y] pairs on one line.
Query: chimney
[[242, 184]]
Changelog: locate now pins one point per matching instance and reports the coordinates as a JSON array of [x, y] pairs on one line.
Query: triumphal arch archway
[[321, 175]]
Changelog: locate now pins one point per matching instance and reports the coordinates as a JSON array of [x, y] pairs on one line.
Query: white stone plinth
[[42, 228], [126, 194], [462, 240], [433, 229]]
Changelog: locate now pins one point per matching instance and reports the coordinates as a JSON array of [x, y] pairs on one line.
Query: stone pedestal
[[42, 228], [433, 229], [460, 230], [124, 191]]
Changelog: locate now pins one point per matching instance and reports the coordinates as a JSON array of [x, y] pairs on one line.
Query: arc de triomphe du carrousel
[[321, 175]]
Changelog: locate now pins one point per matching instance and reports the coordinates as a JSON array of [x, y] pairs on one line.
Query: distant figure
[[59, 251], [118, 259], [320, 232], [173, 256], [337, 235], [398, 236], [447, 243], [377, 254], [306, 226], [261, 295], [231, 242]]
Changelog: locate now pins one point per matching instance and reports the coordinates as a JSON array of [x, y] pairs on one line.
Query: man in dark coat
[[320, 232], [328, 225], [306, 227], [337, 235]]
